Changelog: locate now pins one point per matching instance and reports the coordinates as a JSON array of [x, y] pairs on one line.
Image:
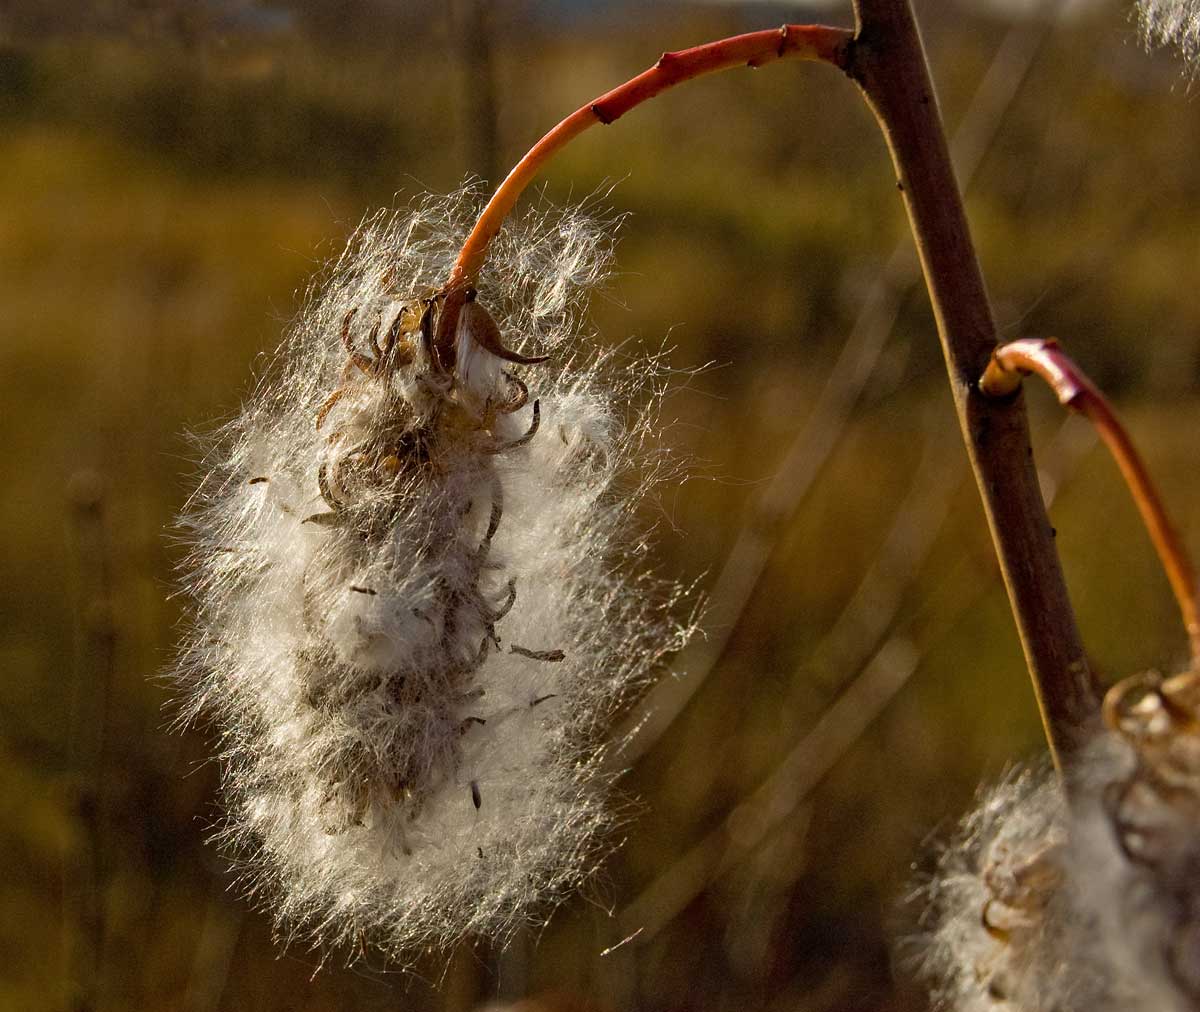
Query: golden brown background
[[171, 175]]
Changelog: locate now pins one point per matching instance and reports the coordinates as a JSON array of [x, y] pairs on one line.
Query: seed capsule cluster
[[402, 437], [414, 613]]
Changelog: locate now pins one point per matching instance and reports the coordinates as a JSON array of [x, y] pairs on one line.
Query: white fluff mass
[[414, 620], [1093, 905], [989, 911], [1172, 22]]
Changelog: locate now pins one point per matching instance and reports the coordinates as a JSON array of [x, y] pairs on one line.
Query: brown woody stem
[[888, 62], [755, 49], [885, 57], [1075, 391]]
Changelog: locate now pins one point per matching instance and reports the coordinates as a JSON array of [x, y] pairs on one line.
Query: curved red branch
[[802, 42], [1046, 360]]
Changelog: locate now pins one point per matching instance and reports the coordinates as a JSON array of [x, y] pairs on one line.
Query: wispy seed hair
[[1172, 23], [416, 599]]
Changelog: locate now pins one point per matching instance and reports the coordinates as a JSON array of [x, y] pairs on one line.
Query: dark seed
[[538, 655]]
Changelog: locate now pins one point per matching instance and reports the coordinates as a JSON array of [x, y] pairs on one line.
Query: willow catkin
[[991, 910], [1037, 905], [415, 604]]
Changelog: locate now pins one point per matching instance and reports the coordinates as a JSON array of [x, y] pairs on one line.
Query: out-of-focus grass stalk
[[893, 656], [915, 528], [473, 29], [214, 955], [86, 872]]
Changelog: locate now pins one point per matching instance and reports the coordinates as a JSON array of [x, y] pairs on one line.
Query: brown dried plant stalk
[[888, 62], [885, 57]]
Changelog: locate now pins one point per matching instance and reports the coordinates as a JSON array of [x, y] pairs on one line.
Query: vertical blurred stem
[[86, 875], [887, 60], [473, 36]]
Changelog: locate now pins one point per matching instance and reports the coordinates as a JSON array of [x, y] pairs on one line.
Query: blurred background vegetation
[[172, 174]]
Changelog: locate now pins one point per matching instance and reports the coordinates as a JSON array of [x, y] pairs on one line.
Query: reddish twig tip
[[1046, 360], [754, 49]]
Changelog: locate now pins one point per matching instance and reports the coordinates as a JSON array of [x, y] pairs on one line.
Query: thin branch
[[754, 49], [1075, 391], [888, 62]]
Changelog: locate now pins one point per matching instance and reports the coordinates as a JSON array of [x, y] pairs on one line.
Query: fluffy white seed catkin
[[1041, 906], [1172, 22], [989, 913], [415, 611]]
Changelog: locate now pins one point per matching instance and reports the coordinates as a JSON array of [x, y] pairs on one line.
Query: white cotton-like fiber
[[1040, 905], [989, 912], [415, 606], [1172, 22], [1135, 841]]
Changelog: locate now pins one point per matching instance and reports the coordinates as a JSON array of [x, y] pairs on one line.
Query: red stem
[[1075, 391], [803, 42]]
